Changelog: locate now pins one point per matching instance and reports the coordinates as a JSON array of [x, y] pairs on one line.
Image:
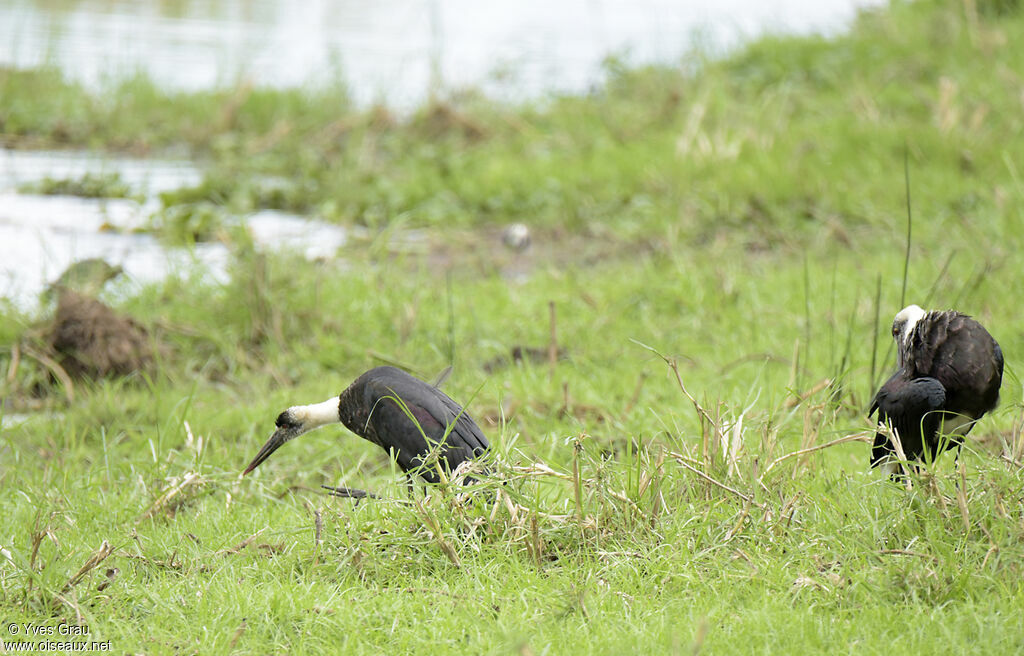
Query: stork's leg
[[956, 464]]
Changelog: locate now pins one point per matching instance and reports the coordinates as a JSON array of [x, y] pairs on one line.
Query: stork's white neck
[[317, 414], [911, 315]]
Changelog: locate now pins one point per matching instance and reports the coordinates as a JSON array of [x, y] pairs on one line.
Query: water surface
[[395, 51], [40, 236]]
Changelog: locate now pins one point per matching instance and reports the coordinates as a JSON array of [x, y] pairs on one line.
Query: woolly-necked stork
[[950, 369], [370, 408]]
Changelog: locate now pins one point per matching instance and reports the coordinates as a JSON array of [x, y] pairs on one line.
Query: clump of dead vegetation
[[94, 341], [84, 340]]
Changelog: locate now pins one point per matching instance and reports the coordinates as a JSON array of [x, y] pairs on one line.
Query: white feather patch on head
[[317, 414], [910, 315]]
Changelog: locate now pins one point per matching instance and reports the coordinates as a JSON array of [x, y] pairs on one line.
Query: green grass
[[90, 185], [748, 249]]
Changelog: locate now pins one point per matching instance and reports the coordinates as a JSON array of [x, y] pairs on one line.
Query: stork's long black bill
[[280, 436]]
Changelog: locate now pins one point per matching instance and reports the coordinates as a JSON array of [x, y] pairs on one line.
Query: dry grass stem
[[172, 496], [241, 545], [94, 560], [796, 400], [859, 437], [681, 459]]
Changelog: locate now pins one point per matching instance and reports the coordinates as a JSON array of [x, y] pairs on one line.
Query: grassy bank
[[807, 552], [746, 221]]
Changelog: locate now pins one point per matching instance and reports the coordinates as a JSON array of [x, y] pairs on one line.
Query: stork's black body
[[408, 418], [950, 370], [369, 409]]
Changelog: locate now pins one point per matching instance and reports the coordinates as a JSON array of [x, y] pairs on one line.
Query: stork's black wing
[[914, 409], [413, 438], [957, 351]]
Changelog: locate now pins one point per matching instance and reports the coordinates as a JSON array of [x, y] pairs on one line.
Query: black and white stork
[[414, 421], [950, 370]]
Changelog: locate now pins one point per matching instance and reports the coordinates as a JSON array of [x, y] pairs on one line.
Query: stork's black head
[[288, 428], [287, 420]]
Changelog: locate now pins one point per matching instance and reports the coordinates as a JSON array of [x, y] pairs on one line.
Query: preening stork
[[370, 408], [950, 370]]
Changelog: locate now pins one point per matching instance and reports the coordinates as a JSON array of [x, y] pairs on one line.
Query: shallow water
[[397, 51], [40, 236]]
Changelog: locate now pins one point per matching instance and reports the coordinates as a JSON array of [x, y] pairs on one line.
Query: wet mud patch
[[93, 341], [488, 251]]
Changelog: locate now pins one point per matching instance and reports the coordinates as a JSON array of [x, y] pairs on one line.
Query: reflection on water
[[391, 50], [41, 235]]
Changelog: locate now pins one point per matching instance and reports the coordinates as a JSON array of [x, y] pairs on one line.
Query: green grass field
[[748, 221]]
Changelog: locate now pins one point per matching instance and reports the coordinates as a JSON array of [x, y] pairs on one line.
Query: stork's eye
[[285, 419]]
